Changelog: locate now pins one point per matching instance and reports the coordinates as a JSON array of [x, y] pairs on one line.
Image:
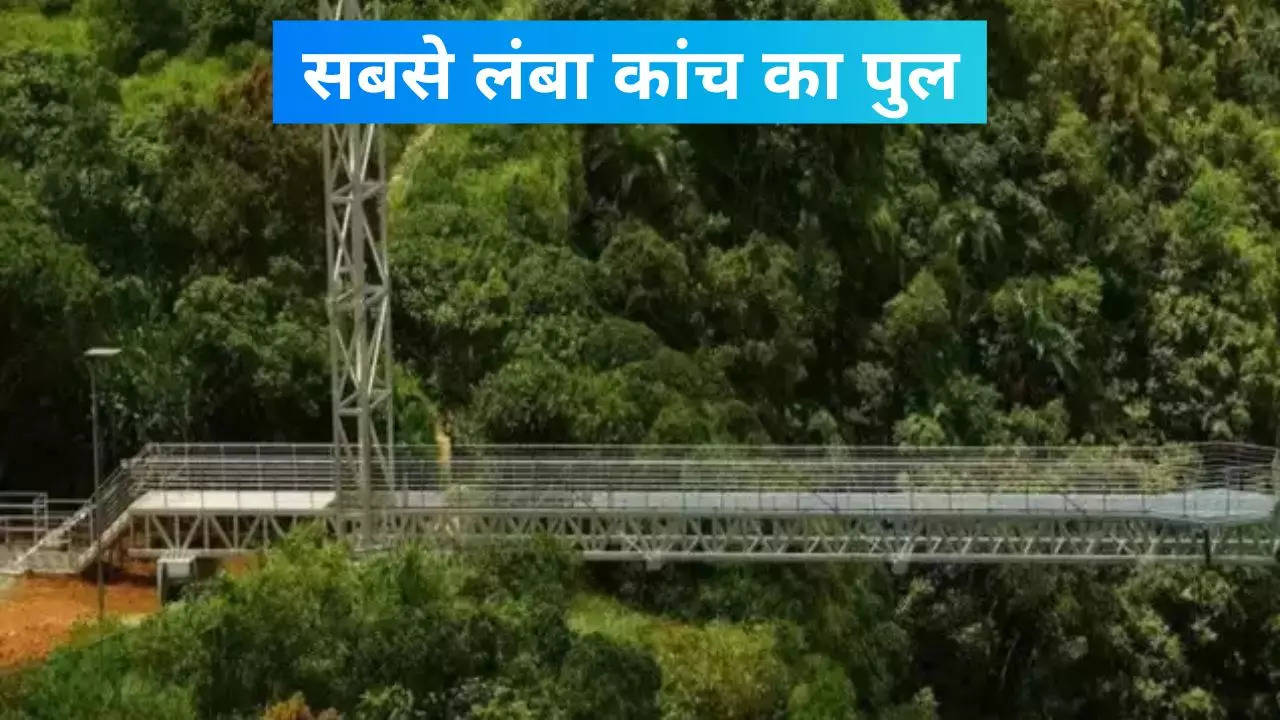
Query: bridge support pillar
[[900, 563], [358, 299]]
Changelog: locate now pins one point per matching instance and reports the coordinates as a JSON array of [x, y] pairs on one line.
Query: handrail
[[1077, 480], [80, 524], [24, 517]]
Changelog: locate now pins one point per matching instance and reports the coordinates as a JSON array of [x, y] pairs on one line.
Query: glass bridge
[[1177, 503]]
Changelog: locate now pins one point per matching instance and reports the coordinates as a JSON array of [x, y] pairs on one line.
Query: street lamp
[[93, 355]]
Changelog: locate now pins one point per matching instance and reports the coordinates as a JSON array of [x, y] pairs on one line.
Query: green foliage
[[49, 8], [713, 671], [1028, 281], [824, 617], [124, 31], [826, 695], [403, 635], [244, 192], [214, 26], [1149, 643], [629, 691], [43, 29], [48, 289], [443, 9], [55, 124], [13, 687], [173, 82], [521, 347], [386, 703]]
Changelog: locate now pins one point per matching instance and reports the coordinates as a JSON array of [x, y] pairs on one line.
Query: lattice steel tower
[[358, 302]]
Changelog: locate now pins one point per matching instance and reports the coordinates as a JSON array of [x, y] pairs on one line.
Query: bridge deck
[[168, 502]]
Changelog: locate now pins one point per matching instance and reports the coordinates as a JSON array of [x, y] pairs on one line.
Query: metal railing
[[72, 529], [24, 518], [1206, 481]]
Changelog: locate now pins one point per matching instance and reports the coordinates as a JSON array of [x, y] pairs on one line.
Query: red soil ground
[[37, 613]]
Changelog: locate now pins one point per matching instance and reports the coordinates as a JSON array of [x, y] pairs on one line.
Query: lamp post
[[93, 355]]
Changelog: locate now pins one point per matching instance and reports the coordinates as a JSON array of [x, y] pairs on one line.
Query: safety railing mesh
[[1201, 479]]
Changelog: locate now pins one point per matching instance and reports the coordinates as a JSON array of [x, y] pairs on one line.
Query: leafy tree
[[48, 288], [123, 31], [55, 124]]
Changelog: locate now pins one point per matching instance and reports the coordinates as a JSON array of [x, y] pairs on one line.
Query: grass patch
[[24, 28], [180, 80], [718, 670]]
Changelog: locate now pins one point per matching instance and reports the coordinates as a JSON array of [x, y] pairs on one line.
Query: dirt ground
[[38, 612]]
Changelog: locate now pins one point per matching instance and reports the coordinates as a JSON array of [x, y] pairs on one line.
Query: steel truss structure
[[657, 538], [358, 299], [668, 504]]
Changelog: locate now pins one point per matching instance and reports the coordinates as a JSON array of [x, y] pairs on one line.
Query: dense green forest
[[530, 634], [1100, 262]]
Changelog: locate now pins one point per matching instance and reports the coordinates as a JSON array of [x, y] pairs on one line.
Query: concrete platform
[[232, 501]]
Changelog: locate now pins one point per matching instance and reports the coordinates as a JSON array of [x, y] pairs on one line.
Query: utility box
[[173, 573]]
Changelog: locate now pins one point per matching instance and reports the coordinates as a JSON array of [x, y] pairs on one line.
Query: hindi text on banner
[[378, 73], [897, 107], [719, 73], [786, 78], [548, 76]]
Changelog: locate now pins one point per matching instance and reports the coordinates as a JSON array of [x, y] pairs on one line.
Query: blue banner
[[509, 72]]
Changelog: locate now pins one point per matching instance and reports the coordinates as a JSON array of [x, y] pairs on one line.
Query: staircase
[[50, 553], [71, 545]]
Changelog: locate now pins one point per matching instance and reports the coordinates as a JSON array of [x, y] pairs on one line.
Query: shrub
[[379, 637], [601, 678], [153, 61], [49, 8]]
